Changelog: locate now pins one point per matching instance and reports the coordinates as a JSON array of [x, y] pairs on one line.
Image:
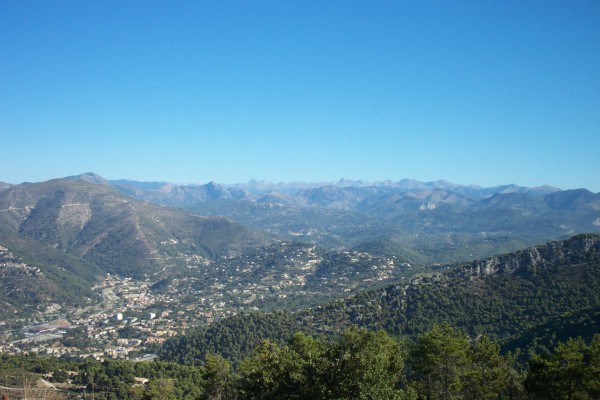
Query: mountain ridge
[[261, 186], [119, 233], [421, 215], [469, 294]]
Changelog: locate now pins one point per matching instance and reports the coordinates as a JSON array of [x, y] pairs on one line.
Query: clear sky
[[474, 92]]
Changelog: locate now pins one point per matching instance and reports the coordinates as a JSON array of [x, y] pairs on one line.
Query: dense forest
[[442, 363]]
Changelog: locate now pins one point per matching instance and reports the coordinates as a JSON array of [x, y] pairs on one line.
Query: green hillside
[[35, 276], [503, 297]]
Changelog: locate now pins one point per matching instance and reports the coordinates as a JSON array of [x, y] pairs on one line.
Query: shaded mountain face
[[579, 200], [20, 286], [41, 279], [119, 234]]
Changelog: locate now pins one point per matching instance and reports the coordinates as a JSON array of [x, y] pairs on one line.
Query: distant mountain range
[[344, 194], [74, 229], [423, 215], [462, 221]]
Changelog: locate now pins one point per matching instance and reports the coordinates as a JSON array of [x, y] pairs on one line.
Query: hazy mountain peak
[[88, 177], [545, 189]]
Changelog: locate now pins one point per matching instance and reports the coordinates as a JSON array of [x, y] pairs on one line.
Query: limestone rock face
[[552, 253]]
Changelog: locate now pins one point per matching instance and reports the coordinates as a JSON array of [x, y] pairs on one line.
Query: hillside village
[[132, 317]]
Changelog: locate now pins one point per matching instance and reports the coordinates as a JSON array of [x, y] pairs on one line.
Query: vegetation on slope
[[441, 363], [35, 276], [116, 233], [503, 297]]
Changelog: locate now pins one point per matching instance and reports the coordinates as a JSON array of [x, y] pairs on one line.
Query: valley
[[285, 275], [129, 271]]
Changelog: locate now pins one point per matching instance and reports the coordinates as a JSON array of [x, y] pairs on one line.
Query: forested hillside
[[500, 296], [505, 297], [36, 277]]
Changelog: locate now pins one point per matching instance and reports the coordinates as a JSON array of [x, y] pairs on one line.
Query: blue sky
[[474, 92]]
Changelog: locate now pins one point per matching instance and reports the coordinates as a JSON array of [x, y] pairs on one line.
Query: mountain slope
[[36, 278], [117, 233], [506, 297], [584, 323], [500, 296]]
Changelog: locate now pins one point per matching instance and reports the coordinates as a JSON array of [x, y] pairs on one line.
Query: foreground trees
[[441, 364], [445, 365], [571, 372], [358, 365]]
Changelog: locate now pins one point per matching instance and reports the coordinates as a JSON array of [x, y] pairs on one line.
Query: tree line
[[442, 363]]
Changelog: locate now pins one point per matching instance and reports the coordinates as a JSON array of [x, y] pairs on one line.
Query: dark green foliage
[[358, 365], [570, 372], [444, 364], [439, 360], [490, 374], [503, 297], [584, 323], [115, 380], [218, 377], [271, 373], [157, 389], [441, 363], [361, 365], [234, 338]]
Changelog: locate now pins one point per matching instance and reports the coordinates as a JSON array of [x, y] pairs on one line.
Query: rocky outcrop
[[586, 246]]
